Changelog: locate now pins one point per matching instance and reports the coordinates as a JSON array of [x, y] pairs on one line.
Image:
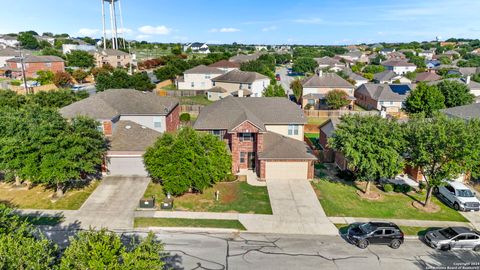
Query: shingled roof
[[466, 112], [202, 69], [225, 64], [228, 113], [280, 147], [326, 80], [427, 77], [37, 59], [130, 136], [385, 92], [386, 75], [114, 102], [237, 76]]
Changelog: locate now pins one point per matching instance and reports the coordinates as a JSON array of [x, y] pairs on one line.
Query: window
[[450, 189], [100, 128], [193, 84], [48, 64], [389, 232], [217, 133], [207, 76], [249, 86], [311, 102], [118, 57], [119, 64], [246, 137], [157, 122], [472, 237], [378, 232], [461, 238], [241, 86], [293, 130], [213, 83], [242, 157]]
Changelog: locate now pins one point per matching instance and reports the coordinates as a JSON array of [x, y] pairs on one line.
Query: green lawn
[[39, 197], [170, 87], [316, 120], [185, 222], [419, 231], [340, 199], [195, 100], [237, 197]]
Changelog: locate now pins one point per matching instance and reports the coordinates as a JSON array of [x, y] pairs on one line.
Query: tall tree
[[297, 88], [274, 90], [425, 99], [81, 59], [188, 160], [373, 147], [304, 65], [455, 93], [443, 148], [62, 79], [79, 75], [28, 41], [337, 99]]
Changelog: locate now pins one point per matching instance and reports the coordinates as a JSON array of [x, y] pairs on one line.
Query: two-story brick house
[[263, 134], [131, 121], [34, 64]]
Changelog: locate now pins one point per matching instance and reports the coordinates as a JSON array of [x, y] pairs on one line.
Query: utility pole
[[103, 24], [22, 62]]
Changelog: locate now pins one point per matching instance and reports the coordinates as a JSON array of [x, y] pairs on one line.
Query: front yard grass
[[316, 120], [185, 222], [39, 197], [339, 199], [238, 197]]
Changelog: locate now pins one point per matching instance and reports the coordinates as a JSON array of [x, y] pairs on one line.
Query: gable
[[245, 127]]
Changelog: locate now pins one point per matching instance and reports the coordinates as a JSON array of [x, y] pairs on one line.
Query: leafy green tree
[[445, 60], [297, 88], [21, 246], [337, 99], [373, 147], [141, 81], [304, 65], [62, 79], [45, 77], [79, 75], [52, 51], [11, 99], [81, 59], [105, 250], [455, 93], [274, 90], [373, 69], [188, 160], [168, 72], [28, 41], [443, 148], [55, 99], [425, 98], [120, 79]]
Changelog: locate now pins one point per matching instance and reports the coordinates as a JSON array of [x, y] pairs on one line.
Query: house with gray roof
[[243, 58], [198, 78], [131, 121], [265, 135], [197, 47], [329, 62], [382, 97], [239, 83], [467, 112], [357, 78], [316, 88], [389, 77]]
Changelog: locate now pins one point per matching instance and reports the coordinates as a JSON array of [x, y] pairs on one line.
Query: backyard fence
[[336, 113]]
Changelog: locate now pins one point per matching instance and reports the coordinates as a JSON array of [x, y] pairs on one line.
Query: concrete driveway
[[113, 203], [296, 208]]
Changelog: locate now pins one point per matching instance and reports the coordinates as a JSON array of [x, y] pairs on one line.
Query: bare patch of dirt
[[372, 195], [432, 208]]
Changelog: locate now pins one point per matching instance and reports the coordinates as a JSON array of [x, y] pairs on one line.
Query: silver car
[[453, 238]]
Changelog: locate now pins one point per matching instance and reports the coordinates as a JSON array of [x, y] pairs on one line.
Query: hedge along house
[[264, 135], [131, 121]]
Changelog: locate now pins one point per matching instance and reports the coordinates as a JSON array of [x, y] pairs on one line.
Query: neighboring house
[[427, 77], [225, 65], [428, 54], [476, 51], [243, 58], [50, 40], [261, 47], [115, 58], [467, 112], [7, 54], [327, 130], [68, 48], [329, 62], [387, 51], [389, 77], [131, 121], [396, 56], [469, 71], [399, 67], [9, 41], [33, 64], [197, 47], [382, 97], [316, 87], [433, 64], [355, 56], [242, 83], [263, 134], [359, 80], [198, 78]]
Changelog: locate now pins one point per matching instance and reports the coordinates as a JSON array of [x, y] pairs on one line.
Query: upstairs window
[[157, 122], [293, 130], [217, 133], [246, 137]]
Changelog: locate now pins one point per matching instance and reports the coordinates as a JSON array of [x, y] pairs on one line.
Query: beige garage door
[[126, 166], [286, 170]]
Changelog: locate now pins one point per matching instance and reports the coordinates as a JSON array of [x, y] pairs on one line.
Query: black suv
[[381, 233]]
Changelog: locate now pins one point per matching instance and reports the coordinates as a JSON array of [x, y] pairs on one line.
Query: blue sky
[[255, 21]]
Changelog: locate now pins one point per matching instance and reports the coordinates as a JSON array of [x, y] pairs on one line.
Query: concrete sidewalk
[[401, 222]]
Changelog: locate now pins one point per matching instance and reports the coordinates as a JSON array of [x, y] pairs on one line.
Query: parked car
[[453, 238], [459, 196], [277, 77], [380, 233]]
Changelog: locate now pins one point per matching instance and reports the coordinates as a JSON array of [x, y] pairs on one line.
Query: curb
[[188, 229]]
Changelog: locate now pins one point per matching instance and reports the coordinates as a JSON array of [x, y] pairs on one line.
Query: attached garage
[[126, 166], [286, 170]]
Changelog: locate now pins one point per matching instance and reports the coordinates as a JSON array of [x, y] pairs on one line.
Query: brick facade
[[414, 172], [31, 69], [238, 146], [107, 128], [173, 120], [365, 101]]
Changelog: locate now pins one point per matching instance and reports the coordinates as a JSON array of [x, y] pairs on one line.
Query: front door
[[251, 160]]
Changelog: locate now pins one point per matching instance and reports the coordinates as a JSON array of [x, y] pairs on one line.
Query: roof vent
[[144, 92], [143, 127], [128, 127]]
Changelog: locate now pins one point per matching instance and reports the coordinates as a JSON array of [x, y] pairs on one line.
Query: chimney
[[240, 93], [468, 79], [320, 73]]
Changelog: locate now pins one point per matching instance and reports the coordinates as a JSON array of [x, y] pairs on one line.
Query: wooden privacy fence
[[191, 109], [180, 93], [337, 113]]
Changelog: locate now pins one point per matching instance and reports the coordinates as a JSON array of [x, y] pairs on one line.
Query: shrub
[[397, 188], [185, 117], [422, 185], [15, 83], [406, 188], [231, 178], [387, 187]]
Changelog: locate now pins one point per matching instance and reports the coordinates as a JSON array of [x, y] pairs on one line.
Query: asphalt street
[[202, 250], [285, 80]]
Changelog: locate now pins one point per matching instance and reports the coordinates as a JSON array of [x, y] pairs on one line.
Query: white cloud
[[143, 37], [224, 30], [270, 28], [88, 32], [155, 30]]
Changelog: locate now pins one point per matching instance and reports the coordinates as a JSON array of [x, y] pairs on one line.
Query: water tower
[[114, 6]]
